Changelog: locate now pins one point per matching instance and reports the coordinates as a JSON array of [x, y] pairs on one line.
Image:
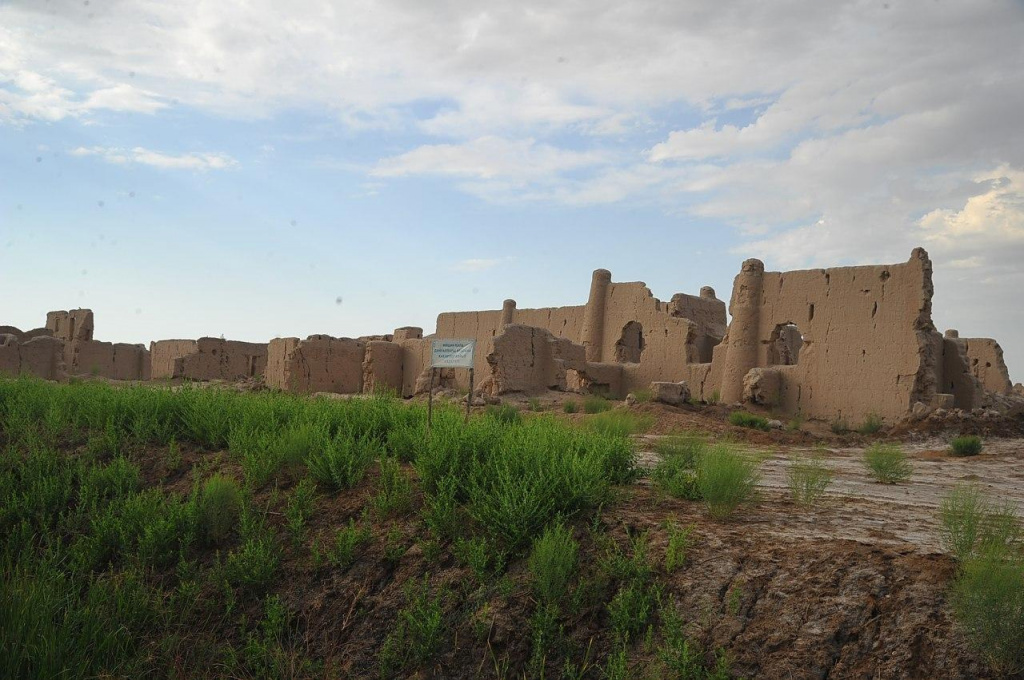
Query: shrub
[[441, 508], [726, 479], [643, 396], [715, 397], [808, 479], [988, 601], [969, 445], [342, 462], [744, 419], [676, 476], [219, 506], [300, 508], [479, 556], [571, 406], [887, 463], [346, 542], [394, 495], [631, 609], [535, 405], [504, 414], [254, 565], [971, 522], [417, 633], [872, 424], [620, 423], [595, 403], [687, 447], [678, 546], [552, 562], [839, 426]]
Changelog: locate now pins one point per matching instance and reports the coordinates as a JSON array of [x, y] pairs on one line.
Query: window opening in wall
[[784, 345], [631, 345]]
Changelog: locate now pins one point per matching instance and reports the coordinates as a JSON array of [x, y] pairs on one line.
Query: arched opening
[[631, 345], [784, 345]]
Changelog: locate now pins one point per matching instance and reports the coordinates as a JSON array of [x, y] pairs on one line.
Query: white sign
[[452, 353]]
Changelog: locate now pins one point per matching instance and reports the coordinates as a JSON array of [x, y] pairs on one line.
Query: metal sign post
[[451, 354]]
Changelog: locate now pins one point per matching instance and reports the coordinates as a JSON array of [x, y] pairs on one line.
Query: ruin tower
[[508, 312], [745, 308], [593, 317]]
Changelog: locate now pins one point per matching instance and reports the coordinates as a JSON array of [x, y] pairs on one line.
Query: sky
[[257, 168]]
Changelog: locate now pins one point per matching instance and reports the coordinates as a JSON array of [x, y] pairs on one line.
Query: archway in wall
[[631, 344], [784, 345]]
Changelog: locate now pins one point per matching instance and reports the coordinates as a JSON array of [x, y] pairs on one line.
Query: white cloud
[[200, 161]]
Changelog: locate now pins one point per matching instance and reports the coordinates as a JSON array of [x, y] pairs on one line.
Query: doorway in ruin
[[631, 344], [784, 345]]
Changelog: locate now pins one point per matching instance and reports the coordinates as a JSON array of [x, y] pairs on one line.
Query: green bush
[[479, 555], [839, 426], [970, 445], [620, 423], [595, 403], [676, 476], [504, 414], [643, 396], [678, 546], [254, 564], [571, 406], [808, 479], [726, 479], [872, 424], [346, 542], [343, 460], [394, 495], [988, 601], [535, 405], [552, 563], [299, 508], [887, 463], [220, 503], [972, 522], [745, 419], [417, 632]]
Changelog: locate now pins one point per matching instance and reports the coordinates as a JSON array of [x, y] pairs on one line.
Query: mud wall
[[163, 354], [117, 361], [985, 358], [218, 359], [320, 363], [868, 340], [41, 356], [383, 365]]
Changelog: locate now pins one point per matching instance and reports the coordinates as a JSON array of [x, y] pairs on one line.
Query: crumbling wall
[[25, 336], [383, 365], [528, 359], [985, 358], [320, 363], [71, 326], [117, 361], [218, 359], [41, 356], [868, 344], [163, 354]]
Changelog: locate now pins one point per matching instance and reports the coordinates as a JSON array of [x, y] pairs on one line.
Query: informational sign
[[452, 353]]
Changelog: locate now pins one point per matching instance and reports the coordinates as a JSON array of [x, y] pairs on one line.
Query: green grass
[[872, 424], [988, 602], [972, 522], [620, 423], [839, 426], [505, 414], [808, 479], [726, 479], [887, 463], [571, 406], [968, 445], [300, 508], [595, 403], [220, 504], [676, 473], [418, 632], [552, 563], [745, 419], [643, 396], [678, 546], [394, 495], [347, 541]]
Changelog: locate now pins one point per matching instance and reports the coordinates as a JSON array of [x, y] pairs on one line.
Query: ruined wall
[[320, 363], [117, 361], [217, 359], [527, 359], [868, 341], [25, 336], [70, 326], [163, 354], [41, 356], [985, 358], [383, 365]]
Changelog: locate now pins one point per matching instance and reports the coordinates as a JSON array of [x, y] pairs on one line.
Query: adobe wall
[[383, 365], [41, 356], [954, 374], [985, 357], [117, 361], [218, 359], [70, 326], [869, 345], [25, 336], [320, 363], [163, 354], [527, 359]]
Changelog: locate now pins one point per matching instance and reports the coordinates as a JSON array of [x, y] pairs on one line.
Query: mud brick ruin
[[824, 343]]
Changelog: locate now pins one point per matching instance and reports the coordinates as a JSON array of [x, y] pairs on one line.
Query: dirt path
[[857, 508]]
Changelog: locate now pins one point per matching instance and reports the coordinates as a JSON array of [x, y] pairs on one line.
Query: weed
[[479, 556], [571, 406], [715, 397], [535, 405], [219, 506], [968, 445], [680, 656], [735, 600], [346, 542], [545, 634], [342, 462], [808, 479], [394, 495], [988, 601], [839, 426], [795, 423], [971, 522], [726, 479], [254, 565], [172, 457], [504, 414], [595, 403], [678, 546], [552, 563], [616, 667], [394, 545], [643, 396], [872, 424], [417, 632], [745, 419], [441, 508], [887, 463], [620, 423], [300, 508]]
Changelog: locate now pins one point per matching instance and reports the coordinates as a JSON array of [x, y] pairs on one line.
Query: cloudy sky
[[256, 168]]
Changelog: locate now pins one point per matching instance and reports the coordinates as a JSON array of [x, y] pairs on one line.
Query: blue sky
[[258, 169]]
